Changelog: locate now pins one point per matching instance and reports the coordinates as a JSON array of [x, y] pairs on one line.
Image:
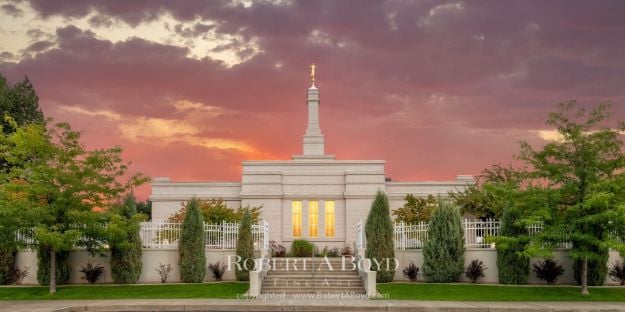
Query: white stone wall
[[151, 259], [489, 257]]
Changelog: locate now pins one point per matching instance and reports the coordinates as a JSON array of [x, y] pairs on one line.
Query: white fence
[[164, 234], [476, 234]]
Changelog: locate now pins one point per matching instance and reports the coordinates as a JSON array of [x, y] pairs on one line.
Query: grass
[[464, 292], [224, 290]]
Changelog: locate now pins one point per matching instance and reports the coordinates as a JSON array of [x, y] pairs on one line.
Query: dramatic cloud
[[191, 88]]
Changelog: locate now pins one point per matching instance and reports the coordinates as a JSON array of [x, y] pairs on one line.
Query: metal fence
[[165, 235], [476, 234]]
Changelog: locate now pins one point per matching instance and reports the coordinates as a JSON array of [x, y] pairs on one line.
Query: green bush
[[302, 248], [513, 267], [443, 252], [125, 243], [63, 267], [245, 247], [597, 270], [7, 264], [380, 243], [192, 244]]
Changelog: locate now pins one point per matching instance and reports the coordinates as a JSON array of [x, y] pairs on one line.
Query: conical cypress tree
[[125, 243], [380, 243], [191, 245], [245, 248], [513, 267], [63, 267], [443, 252]]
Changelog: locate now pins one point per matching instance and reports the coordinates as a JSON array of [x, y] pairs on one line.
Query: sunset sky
[[189, 89]]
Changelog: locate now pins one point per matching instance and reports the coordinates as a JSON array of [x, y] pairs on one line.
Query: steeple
[[313, 147]]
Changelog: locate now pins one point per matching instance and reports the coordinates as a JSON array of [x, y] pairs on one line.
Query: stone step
[[312, 289], [316, 277], [358, 285]]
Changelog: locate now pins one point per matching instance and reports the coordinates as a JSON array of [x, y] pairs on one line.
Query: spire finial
[[312, 72]]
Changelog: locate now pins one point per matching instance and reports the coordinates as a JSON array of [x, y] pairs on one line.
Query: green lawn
[[227, 290], [464, 292]]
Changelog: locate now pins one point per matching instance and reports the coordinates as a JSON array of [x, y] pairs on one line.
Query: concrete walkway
[[299, 305]]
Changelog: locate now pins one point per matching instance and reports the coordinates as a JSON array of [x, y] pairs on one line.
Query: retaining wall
[[489, 257]]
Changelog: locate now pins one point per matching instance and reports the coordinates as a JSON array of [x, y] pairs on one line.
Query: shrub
[[443, 251], [617, 272], [191, 246], [475, 270], [333, 253], [513, 266], [346, 251], [91, 272], [7, 262], [277, 250], [125, 243], [63, 267], [380, 242], [597, 269], [245, 248], [217, 269], [411, 271], [20, 275], [548, 271], [302, 248], [163, 271]]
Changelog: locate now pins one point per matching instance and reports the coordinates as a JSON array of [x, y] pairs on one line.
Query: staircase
[[318, 276]]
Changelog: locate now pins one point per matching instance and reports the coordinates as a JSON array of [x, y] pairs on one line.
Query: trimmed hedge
[[443, 252], [513, 267]]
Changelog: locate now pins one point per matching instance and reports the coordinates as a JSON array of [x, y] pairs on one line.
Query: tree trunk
[[52, 271], [585, 277]]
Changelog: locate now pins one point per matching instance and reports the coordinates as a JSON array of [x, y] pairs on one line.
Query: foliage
[[192, 244], [7, 261], [512, 264], [380, 242], [617, 272], [21, 274], [584, 170], [415, 209], [329, 252], [277, 250], [302, 248], [411, 271], [54, 177], [475, 270], [20, 102], [597, 269], [216, 211], [125, 242], [245, 247], [346, 251], [91, 272], [488, 198], [62, 269], [145, 208], [217, 269], [548, 271], [163, 271], [443, 251]]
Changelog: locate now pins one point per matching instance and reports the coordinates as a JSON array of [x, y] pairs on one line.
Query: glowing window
[[296, 218], [329, 218], [313, 218]]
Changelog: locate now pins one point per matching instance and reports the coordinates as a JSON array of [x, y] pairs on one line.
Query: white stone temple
[[312, 196]]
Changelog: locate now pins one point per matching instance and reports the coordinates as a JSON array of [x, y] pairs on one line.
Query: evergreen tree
[[380, 243], [62, 268], [125, 242], [597, 269], [20, 102], [192, 244], [512, 264], [245, 247], [443, 252]]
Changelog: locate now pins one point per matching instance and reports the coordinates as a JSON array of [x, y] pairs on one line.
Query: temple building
[[313, 196]]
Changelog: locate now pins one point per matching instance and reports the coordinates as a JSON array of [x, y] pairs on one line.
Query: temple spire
[[313, 139]]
